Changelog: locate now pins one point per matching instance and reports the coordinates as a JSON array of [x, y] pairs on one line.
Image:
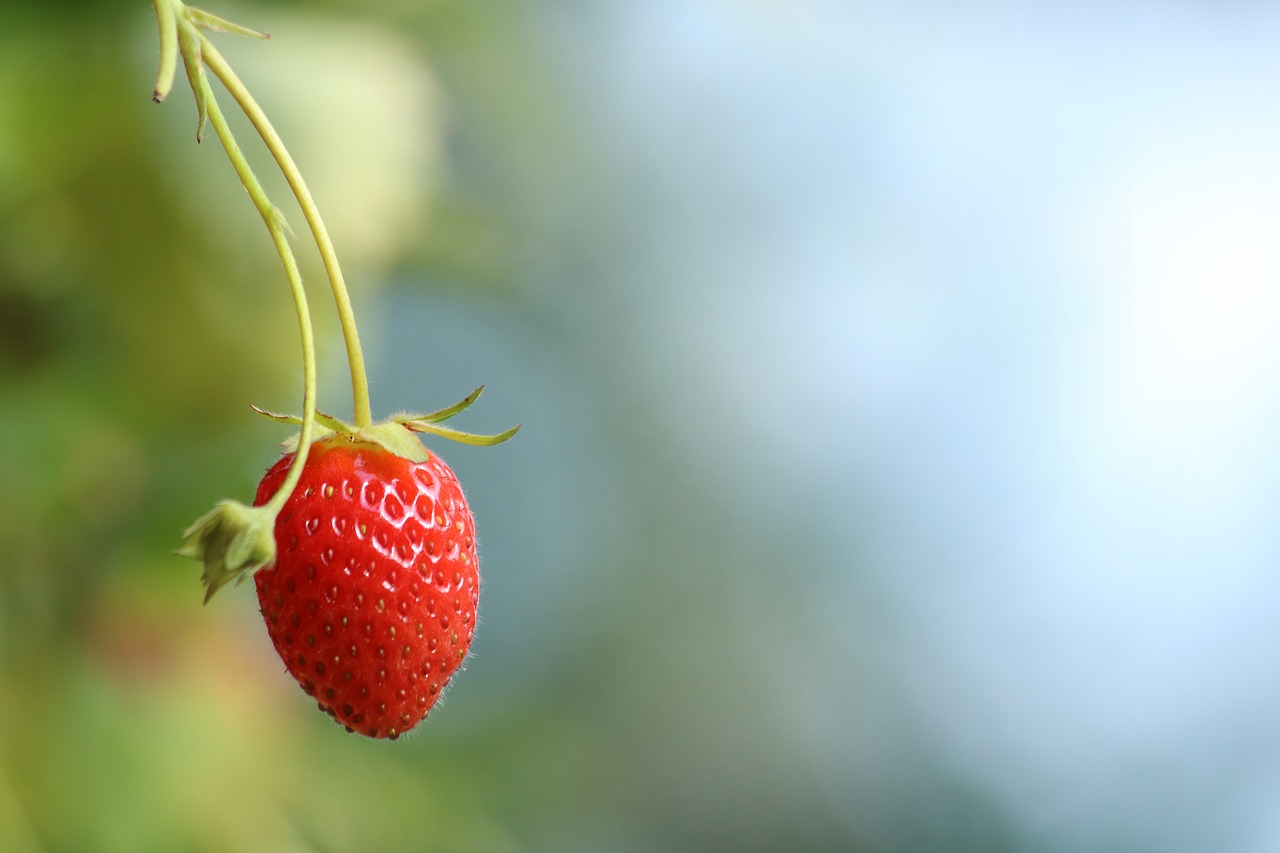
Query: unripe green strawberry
[[371, 599]]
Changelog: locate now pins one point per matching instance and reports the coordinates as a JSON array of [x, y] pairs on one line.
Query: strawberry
[[371, 600], [366, 569]]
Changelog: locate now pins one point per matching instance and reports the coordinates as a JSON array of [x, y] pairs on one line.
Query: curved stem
[[275, 224], [359, 380]]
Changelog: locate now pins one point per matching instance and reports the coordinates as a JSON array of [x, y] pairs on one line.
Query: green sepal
[[232, 541], [389, 435], [192, 60], [395, 438], [328, 421], [277, 215], [208, 21], [430, 423], [442, 414], [395, 435], [458, 435]]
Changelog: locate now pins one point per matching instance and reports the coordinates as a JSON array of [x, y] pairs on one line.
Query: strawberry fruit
[[371, 600], [366, 570]]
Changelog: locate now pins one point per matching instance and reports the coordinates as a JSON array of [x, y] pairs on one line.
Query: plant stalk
[[362, 412], [275, 224]]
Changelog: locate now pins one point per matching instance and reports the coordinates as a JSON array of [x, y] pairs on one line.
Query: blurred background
[[900, 387]]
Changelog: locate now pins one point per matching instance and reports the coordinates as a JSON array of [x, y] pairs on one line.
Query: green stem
[[166, 20], [359, 380], [275, 224]]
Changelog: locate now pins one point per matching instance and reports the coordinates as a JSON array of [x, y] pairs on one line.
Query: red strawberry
[[371, 599], [366, 569]]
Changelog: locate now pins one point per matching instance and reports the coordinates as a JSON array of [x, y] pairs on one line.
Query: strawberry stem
[[362, 412], [276, 226], [233, 540], [180, 34]]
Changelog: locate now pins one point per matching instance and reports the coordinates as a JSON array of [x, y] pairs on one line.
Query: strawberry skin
[[371, 600]]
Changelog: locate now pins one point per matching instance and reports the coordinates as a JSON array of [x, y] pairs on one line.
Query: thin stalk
[[166, 20], [359, 379], [275, 224]]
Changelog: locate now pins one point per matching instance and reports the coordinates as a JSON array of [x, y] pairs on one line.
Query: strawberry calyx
[[431, 423], [396, 434], [232, 541]]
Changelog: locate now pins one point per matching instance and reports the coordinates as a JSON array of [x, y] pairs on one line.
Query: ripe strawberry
[[363, 552], [371, 599]]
